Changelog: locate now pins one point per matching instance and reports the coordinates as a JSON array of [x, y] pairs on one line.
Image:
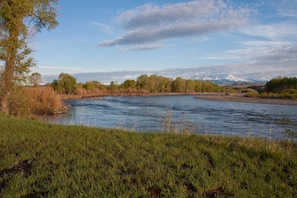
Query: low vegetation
[[29, 102], [144, 84], [44, 101], [38, 159], [280, 87]]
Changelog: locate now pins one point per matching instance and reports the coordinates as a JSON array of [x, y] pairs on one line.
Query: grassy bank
[[43, 160]]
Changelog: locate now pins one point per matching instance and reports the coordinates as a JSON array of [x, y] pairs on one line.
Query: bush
[[43, 100], [251, 93], [19, 102]]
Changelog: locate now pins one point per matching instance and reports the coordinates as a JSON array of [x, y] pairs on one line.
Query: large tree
[[35, 79], [66, 83], [18, 19]]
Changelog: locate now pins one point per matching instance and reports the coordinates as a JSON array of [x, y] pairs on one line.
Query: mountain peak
[[223, 74]]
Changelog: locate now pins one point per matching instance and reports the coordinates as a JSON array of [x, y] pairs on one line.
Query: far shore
[[218, 96], [243, 98]]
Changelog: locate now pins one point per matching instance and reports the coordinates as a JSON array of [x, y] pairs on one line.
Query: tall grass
[[27, 102], [38, 159], [182, 126], [44, 100], [19, 103]]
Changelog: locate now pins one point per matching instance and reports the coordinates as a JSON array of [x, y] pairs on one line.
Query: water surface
[[147, 113]]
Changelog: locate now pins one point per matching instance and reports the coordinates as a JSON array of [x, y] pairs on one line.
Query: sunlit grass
[[45, 160]]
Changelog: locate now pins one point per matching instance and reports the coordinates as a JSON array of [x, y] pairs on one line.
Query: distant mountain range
[[223, 74]]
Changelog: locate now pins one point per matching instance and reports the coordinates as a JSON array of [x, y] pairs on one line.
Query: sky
[[127, 35]]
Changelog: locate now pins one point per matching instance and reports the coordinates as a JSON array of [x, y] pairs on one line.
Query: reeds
[[182, 125], [27, 102], [44, 100]]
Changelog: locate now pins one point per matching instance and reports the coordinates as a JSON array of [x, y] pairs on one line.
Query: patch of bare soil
[[218, 192], [24, 166]]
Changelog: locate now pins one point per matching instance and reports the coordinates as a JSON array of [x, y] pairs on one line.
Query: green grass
[[38, 159]]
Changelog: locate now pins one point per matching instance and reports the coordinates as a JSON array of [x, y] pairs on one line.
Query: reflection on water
[[213, 117]]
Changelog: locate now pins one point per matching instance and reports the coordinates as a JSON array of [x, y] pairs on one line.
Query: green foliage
[[66, 84], [89, 86], [160, 84], [19, 102], [279, 84], [144, 84], [282, 88], [38, 159], [251, 93], [16, 18], [129, 84], [113, 86]]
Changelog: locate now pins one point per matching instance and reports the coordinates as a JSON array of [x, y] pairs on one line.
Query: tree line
[[281, 84], [279, 87], [155, 84]]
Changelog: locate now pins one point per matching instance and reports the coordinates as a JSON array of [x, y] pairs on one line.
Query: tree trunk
[[5, 87], [4, 105], [11, 50], [7, 80]]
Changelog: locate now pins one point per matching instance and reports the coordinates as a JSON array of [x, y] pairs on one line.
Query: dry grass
[[89, 93], [43, 100]]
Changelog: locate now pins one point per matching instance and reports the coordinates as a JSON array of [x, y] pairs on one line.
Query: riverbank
[[243, 98], [218, 96], [91, 96], [38, 159]]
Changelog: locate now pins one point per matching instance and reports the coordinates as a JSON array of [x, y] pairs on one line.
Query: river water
[[159, 113]]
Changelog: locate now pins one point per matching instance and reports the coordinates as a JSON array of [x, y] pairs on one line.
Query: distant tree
[[97, 84], [66, 83], [153, 83], [129, 84], [179, 85], [190, 86], [35, 79], [89, 86], [280, 84], [55, 85], [198, 85], [142, 81], [113, 86], [165, 85], [16, 18]]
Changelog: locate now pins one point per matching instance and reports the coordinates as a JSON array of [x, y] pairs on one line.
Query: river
[[181, 113]]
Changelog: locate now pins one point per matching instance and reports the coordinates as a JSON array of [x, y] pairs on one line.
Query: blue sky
[[97, 36]]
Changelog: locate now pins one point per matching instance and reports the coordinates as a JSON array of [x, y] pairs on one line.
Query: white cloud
[[142, 47], [156, 34], [262, 43], [276, 31], [59, 69], [153, 23], [278, 55], [261, 52], [152, 15]]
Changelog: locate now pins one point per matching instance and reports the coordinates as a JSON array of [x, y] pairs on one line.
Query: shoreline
[[244, 99], [217, 96]]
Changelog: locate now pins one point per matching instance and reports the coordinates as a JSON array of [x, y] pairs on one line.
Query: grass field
[[38, 159]]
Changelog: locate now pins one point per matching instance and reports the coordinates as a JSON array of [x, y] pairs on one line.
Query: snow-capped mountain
[[224, 74]]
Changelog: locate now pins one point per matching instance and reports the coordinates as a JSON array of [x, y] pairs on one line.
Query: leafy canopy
[[18, 20]]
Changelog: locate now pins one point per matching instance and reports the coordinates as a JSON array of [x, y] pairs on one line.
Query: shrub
[[251, 93], [19, 102], [43, 100]]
